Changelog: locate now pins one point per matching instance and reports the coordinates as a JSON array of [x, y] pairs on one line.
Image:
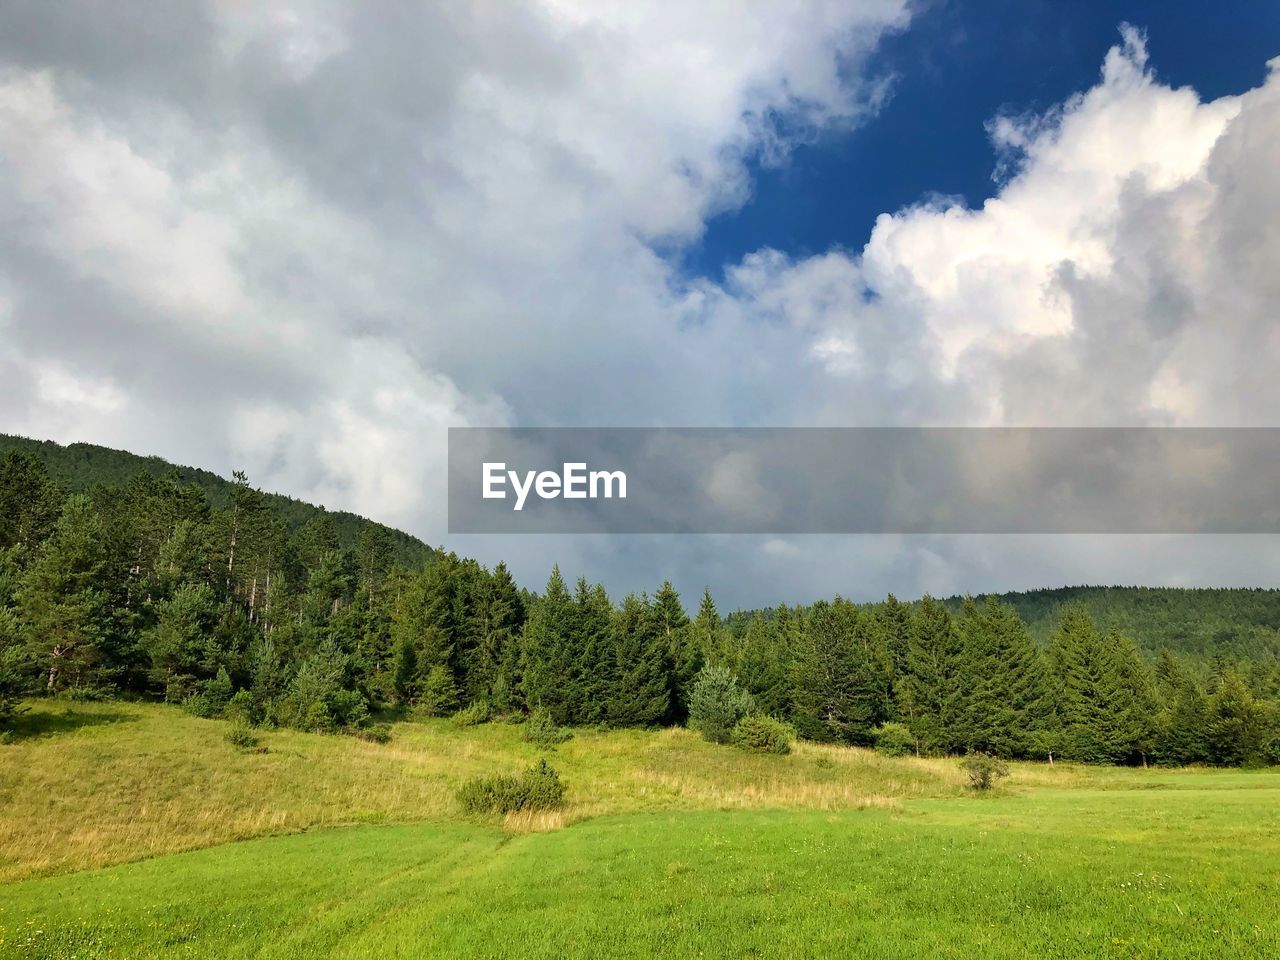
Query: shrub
[[542, 731], [543, 788], [824, 763], [894, 740], [242, 709], [376, 733], [87, 694], [198, 705], [500, 794], [762, 733], [242, 737], [717, 703], [539, 788], [984, 770], [474, 715]]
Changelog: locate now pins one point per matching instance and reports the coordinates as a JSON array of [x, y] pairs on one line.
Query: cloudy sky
[[304, 238]]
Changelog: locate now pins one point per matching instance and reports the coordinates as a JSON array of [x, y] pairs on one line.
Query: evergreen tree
[[764, 667], [177, 643], [551, 678], [1234, 723], [709, 634], [1001, 682], [16, 672], [642, 671], [930, 691], [598, 670], [64, 601], [683, 651], [1104, 697], [1181, 724], [29, 503], [717, 703], [837, 684], [493, 625]]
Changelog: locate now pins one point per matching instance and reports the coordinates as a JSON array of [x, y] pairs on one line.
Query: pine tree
[[598, 669], [494, 619], [1181, 737], [764, 667], [893, 621], [1002, 684], [642, 685], [1104, 699], [176, 644], [551, 678], [930, 692], [1132, 692], [708, 631], [683, 651], [837, 686], [64, 601], [1233, 723], [29, 503]]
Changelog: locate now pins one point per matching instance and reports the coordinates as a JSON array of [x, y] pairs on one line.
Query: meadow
[[117, 824]]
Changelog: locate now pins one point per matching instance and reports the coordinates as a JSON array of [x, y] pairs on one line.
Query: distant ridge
[[1231, 622], [83, 465]]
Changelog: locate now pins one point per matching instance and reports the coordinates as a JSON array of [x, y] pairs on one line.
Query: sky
[[302, 239]]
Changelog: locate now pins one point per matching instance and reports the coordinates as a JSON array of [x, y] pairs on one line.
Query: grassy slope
[[700, 849]]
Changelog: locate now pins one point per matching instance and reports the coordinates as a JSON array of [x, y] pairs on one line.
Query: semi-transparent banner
[[864, 480]]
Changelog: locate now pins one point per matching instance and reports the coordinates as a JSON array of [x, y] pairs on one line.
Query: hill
[[1199, 622], [81, 466]]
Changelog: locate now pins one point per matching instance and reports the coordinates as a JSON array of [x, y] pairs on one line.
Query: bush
[[241, 709], [474, 715], [376, 733], [198, 705], [242, 737], [894, 740], [984, 770], [87, 694], [543, 789], [542, 731], [717, 703], [539, 788], [762, 733]]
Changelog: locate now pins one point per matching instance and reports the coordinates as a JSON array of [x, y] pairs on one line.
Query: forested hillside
[[1199, 622], [83, 466], [150, 587]]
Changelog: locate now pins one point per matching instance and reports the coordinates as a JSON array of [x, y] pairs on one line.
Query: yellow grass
[[89, 785]]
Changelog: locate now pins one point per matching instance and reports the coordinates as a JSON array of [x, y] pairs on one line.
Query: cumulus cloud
[[1116, 278], [303, 239]]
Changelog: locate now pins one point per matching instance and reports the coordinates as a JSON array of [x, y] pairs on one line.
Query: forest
[[229, 605]]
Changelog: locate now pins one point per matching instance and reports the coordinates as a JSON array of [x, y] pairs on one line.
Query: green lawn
[[1183, 866]]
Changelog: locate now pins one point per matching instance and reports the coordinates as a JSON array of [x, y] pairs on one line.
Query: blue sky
[[304, 237], [959, 63]]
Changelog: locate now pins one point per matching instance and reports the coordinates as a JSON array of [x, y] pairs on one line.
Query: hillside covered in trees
[[80, 467], [151, 586]]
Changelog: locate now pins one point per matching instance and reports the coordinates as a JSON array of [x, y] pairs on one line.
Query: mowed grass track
[[669, 847]]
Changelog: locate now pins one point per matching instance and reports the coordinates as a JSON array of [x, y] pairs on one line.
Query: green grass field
[[670, 847]]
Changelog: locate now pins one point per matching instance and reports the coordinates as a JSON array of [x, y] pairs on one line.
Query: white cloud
[[303, 239]]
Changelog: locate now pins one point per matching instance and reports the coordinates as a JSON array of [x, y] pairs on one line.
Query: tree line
[[147, 588]]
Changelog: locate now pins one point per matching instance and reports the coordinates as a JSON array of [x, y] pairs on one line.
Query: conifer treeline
[[147, 589]]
